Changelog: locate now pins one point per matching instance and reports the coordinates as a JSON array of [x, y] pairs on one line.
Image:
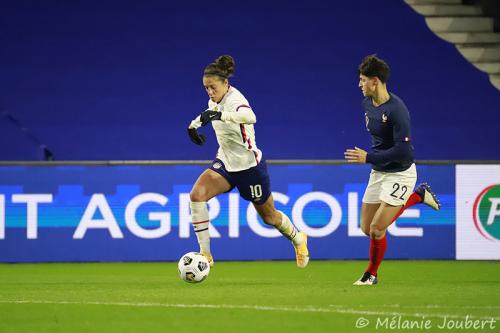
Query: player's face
[[368, 85], [215, 87]]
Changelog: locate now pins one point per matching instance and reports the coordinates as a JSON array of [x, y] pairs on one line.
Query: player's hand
[[209, 116], [199, 139], [356, 155]]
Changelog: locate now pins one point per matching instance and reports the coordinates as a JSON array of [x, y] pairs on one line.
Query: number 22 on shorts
[[396, 188]]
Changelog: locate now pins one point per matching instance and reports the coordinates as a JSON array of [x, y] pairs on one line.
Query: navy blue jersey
[[389, 126]]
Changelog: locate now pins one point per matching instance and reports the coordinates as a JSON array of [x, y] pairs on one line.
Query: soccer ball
[[193, 267]]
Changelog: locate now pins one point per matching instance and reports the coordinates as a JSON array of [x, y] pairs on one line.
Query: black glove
[[199, 139], [209, 116]]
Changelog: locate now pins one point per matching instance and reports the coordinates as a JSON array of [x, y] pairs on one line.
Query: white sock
[[288, 230], [199, 216]]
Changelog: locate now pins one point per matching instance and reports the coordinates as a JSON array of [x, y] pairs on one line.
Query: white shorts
[[393, 188]]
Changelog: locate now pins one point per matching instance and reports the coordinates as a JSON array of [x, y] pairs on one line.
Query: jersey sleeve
[[238, 111], [243, 114], [400, 120], [396, 153]]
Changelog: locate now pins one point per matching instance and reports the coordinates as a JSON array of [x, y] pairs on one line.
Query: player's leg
[[392, 190], [371, 200], [254, 185], [208, 185], [280, 221], [369, 207], [422, 194], [378, 241], [395, 191], [381, 220], [368, 211]]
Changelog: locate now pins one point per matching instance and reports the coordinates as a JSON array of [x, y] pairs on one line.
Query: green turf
[[244, 297]]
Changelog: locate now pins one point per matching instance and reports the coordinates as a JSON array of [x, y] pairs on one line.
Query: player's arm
[[401, 135], [401, 148], [398, 152], [198, 139], [242, 114]]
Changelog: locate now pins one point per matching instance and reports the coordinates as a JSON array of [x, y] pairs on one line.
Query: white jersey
[[235, 132]]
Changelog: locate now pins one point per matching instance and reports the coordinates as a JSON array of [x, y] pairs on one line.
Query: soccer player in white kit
[[239, 162]]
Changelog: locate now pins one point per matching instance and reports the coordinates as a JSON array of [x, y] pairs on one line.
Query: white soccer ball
[[193, 267]]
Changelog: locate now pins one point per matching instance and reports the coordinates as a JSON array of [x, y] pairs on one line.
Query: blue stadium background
[[104, 80]]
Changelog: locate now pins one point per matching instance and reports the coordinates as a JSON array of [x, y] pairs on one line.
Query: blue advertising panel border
[[141, 213]]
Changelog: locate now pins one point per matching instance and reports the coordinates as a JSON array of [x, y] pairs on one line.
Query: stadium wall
[[121, 80], [118, 211]]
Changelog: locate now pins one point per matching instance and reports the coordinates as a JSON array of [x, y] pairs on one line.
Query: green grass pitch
[[250, 297]]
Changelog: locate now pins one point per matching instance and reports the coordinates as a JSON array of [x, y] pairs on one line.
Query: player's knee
[[376, 232], [198, 194]]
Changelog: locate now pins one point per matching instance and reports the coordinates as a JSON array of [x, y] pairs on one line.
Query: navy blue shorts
[[253, 184]]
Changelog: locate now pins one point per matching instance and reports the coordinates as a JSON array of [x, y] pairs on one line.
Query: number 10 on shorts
[[256, 191]]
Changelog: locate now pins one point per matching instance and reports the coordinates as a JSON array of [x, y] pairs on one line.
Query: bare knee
[[198, 194], [376, 232]]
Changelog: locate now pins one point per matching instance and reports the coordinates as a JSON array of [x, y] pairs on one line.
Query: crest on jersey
[[367, 120], [384, 117]]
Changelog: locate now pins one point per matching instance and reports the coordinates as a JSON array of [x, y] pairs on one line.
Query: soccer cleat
[[301, 252], [366, 280], [428, 196], [209, 258]]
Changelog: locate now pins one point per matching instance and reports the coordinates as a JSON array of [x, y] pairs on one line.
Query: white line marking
[[313, 309], [428, 306]]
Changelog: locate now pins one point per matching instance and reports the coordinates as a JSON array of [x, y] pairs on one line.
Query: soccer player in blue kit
[[239, 163], [393, 176]]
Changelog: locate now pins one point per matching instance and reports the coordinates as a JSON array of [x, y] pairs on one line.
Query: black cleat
[[428, 196], [366, 280]]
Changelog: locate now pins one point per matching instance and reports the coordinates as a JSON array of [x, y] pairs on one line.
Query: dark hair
[[223, 67], [372, 66]]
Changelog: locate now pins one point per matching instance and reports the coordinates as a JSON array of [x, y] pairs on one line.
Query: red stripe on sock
[[412, 200], [377, 251], [200, 222]]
